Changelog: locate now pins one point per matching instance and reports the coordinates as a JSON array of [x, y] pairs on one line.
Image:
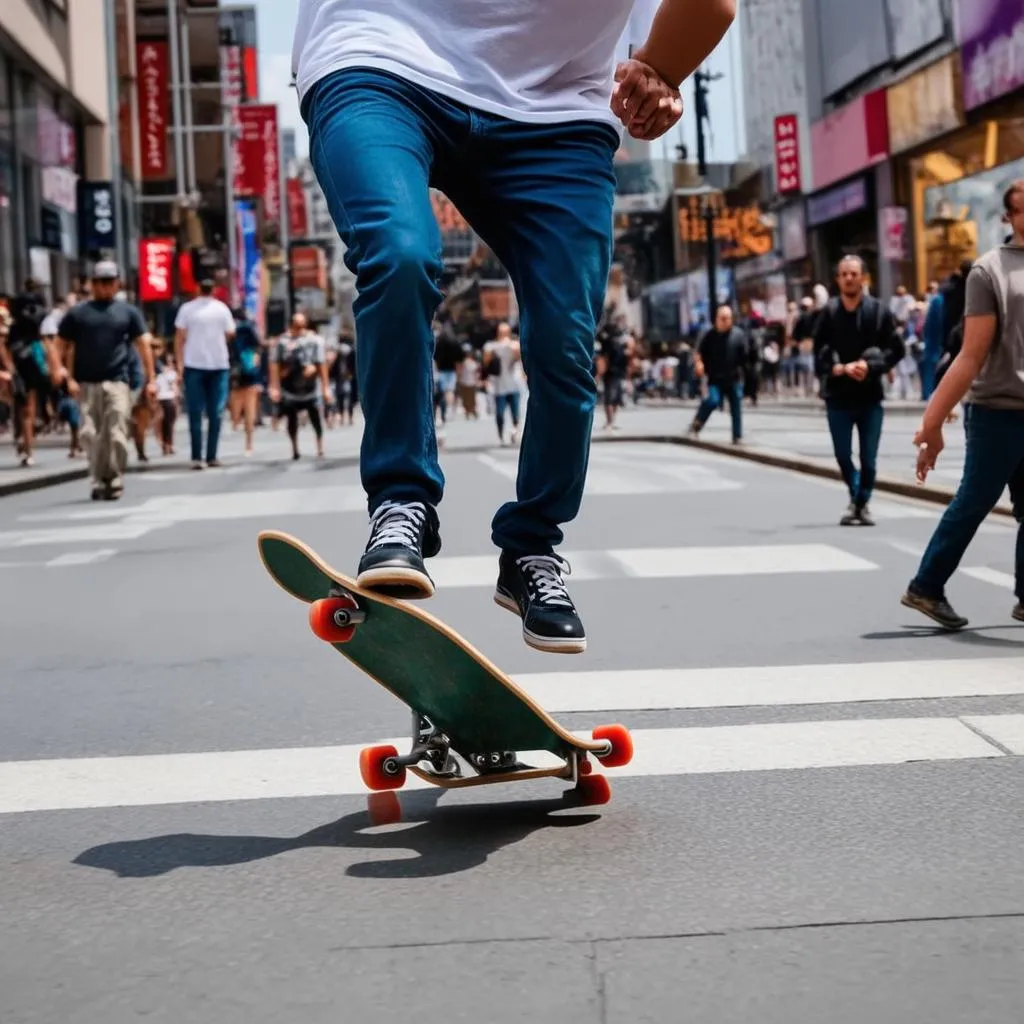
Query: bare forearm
[[146, 354], [951, 390], [683, 34]]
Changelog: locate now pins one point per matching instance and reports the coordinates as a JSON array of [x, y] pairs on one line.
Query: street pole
[[701, 79], [114, 121], [172, 42], [229, 204], [191, 185], [286, 232]]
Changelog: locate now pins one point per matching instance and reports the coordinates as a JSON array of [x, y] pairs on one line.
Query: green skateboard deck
[[462, 703]]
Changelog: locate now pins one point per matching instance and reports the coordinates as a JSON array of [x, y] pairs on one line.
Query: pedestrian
[[167, 393], [30, 362], [722, 360], [613, 365], [856, 345], [67, 407], [506, 109], [298, 369], [989, 370], [504, 356], [244, 355], [99, 336], [203, 327]]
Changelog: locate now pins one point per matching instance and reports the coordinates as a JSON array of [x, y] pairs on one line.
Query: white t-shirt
[[207, 322], [167, 384], [510, 376], [539, 61]]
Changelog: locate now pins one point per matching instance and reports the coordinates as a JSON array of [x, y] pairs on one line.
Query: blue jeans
[[206, 391], [994, 460], [541, 198], [510, 402], [717, 395], [868, 421]]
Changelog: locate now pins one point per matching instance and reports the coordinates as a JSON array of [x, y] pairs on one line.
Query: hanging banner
[[96, 216], [787, 155], [991, 37], [893, 234], [257, 160], [154, 106], [156, 269], [298, 221], [248, 275]]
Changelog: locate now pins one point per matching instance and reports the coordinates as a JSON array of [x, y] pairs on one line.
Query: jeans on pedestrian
[[994, 460], [510, 402], [206, 393], [540, 196], [717, 395], [868, 422]]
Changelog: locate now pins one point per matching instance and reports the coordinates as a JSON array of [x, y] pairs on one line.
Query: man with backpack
[[855, 344]]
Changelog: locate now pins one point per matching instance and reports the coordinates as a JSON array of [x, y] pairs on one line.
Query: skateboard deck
[[470, 721]]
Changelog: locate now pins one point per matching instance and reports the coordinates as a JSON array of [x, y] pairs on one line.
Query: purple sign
[[991, 35], [837, 202]]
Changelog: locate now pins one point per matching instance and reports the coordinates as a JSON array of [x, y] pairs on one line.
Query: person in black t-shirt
[[98, 336], [722, 360], [613, 368], [855, 346]]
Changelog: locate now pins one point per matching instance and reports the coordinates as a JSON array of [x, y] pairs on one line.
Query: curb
[[890, 485]]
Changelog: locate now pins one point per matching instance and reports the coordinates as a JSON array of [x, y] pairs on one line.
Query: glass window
[[8, 267]]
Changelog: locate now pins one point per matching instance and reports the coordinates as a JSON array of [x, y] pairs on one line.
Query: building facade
[[55, 117]]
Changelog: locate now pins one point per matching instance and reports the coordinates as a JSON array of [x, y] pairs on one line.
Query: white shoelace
[[544, 576], [397, 523]]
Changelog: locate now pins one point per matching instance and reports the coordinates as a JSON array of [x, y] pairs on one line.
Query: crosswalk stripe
[[773, 685], [151, 780], [666, 563], [1005, 729], [993, 576]]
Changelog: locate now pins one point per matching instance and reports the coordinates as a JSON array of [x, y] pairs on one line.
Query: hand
[[151, 389], [309, 371], [274, 394], [840, 370], [857, 370], [73, 387], [643, 101], [929, 446]]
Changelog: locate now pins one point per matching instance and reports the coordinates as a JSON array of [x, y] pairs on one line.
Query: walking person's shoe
[[197, 464], [851, 516], [533, 588], [402, 535], [937, 609], [1018, 611], [864, 516]]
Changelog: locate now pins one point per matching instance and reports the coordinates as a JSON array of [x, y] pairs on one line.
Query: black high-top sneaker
[[402, 534], [532, 587]]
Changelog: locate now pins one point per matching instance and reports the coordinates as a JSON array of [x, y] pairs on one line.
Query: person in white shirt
[[203, 328], [515, 112], [167, 396]]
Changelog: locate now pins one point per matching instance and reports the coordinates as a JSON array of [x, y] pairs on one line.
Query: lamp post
[[701, 79]]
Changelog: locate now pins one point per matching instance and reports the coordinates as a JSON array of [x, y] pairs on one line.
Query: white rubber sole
[[397, 577], [572, 645]]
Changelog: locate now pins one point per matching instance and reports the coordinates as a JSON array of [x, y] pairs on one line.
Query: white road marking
[[78, 534], [664, 563], [81, 558], [1005, 729], [80, 783], [993, 576], [610, 476], [914, 550], [774, 685]]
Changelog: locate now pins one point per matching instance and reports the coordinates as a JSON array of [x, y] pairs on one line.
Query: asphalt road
[[823, 821]]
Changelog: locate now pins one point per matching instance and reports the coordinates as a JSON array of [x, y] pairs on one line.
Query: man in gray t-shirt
[[990, 371]]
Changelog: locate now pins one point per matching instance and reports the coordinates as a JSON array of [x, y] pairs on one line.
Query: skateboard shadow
[[447, 840]]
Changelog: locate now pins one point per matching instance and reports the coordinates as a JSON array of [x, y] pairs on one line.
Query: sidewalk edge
[[809, 467]]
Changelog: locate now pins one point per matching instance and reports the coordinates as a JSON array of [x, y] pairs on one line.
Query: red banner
[[787, 155], [154, 106], [298, 221], [257, 161], [250, 74], [156, 263], [186, 276]]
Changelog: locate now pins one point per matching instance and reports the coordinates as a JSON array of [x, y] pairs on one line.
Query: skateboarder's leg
[[374, 141], [543, 202], [372, 146]]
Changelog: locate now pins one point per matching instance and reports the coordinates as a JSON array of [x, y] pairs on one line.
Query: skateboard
[[470, 721]]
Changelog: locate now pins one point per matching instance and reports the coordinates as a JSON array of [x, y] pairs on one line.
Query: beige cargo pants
[[106, 409]]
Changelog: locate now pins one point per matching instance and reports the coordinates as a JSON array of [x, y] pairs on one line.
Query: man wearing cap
[[98, 336], [203, 327]]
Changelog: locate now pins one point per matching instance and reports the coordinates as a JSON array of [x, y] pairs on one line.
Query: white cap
[[105, 270]]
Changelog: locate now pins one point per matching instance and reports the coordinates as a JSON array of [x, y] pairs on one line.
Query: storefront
[[796, 261], [842, 217], [41, 156], [953, 156]]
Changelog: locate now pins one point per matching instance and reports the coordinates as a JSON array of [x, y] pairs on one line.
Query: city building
[[55, 117]]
